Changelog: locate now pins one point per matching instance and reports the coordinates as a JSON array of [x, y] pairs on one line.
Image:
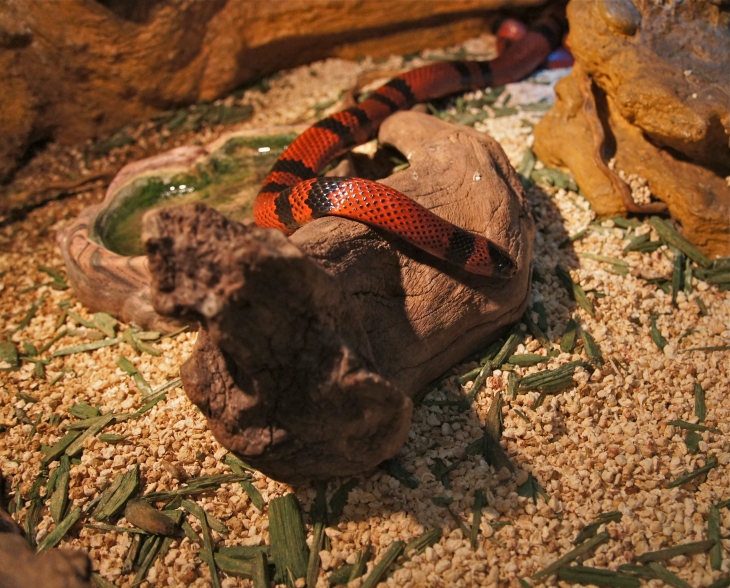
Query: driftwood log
[[312, 347], [21, 567]]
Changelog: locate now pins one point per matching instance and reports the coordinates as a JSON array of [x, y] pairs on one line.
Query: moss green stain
[[228, 181]]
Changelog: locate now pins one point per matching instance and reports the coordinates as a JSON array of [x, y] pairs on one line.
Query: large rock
[[83, 67], [650, 89]]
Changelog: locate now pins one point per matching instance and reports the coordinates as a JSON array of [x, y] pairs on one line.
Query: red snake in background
[[293, 195]]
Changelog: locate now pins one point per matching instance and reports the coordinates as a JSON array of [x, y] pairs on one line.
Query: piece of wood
[[312, 347]]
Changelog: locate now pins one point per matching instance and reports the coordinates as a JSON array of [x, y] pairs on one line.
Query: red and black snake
[[293, 195]]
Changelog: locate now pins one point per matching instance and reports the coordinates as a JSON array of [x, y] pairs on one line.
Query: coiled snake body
[[293, 195]]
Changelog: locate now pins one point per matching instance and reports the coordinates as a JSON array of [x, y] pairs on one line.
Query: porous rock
[[655, 79], [312, 348]]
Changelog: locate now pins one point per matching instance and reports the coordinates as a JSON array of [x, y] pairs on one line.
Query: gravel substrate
[[602, 445]]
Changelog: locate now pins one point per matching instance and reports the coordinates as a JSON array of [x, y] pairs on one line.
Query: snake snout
[[504, 265]]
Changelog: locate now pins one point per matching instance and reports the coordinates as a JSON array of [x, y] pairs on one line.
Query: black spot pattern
[[318, 199]]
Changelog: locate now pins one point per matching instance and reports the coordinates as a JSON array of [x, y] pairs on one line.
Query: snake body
[[293, 195]]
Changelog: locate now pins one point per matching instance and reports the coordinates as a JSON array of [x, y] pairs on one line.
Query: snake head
[[504, 265]]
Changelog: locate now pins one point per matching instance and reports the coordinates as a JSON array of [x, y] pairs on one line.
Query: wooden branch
[[312, 347]]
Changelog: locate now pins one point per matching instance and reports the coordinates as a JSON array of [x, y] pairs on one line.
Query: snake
[[292, 194]]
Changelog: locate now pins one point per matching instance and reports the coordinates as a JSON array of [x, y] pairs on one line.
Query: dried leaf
[[83, 410], [537, 332], [31, 313], [32, 518], [124, 487], [87, 347], [480, 500], [59, 498], [582, 549], [670, 236], [670, 552], [151, 549], [143, 515], [9, 359], [527, 359], [61, 529], [700, 409], [341, 575], [318, 514], [93, 428], [521, 414], [380, 568], [197, 486], [105, 323], [428, 539], [233, 566], [361, 563], [692, 426], [127, 366], [441, 471], [512, 385], [575, 290], [239, 467], [591, 529], [666, 576], [692, 441], [677, 274], [101, 582], [513, 340], [288, 540], [656, 336], [493, 423], [711, 463], [596, 576], [531, 488], [112, 437], [592, 350], [396, 470], [551, 380], [53, 452], [207, 552], [604, 259], [713, 534], [339, 498], [116, 528]]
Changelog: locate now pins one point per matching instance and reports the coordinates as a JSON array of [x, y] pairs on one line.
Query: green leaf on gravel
[[114, 498], [61, 529], [656, 335], [575, 290], [288, 539], [531, 489]]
